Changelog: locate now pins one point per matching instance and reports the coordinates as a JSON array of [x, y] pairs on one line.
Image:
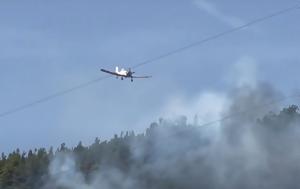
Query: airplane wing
[[109, 72], [141, 77]]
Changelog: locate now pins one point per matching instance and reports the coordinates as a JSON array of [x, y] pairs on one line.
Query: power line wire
[[88, 83], [52, 96], [248, 110], [239, 113], [218, 35]]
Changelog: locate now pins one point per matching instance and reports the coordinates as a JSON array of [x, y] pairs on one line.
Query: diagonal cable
[[52, 96], [216, 36]]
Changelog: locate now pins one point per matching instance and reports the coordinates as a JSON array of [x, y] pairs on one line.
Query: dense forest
[[239, 153]]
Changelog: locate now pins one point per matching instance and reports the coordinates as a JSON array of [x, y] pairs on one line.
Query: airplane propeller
[[129, 69]]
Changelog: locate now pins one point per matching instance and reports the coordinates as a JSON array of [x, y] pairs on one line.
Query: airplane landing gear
[[131, 79]]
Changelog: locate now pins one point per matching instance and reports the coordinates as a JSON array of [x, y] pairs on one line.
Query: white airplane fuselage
[[122, 72]]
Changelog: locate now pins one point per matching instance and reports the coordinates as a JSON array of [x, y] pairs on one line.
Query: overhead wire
[[170, 53], [218, 35], [52, 96], [276, 101]]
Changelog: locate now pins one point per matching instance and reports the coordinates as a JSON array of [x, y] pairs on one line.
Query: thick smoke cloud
[[249, 150]]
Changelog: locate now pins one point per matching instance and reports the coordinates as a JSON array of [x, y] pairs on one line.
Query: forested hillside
[[239, 153]]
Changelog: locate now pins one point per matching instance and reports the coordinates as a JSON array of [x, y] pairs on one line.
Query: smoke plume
[[253, 148]]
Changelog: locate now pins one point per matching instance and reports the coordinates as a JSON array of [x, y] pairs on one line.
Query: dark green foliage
[[30, 170]]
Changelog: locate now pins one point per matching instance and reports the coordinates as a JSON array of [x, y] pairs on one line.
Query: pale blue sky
[[48, 46]]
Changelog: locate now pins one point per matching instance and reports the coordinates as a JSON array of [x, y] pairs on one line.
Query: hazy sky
[[48, 46]]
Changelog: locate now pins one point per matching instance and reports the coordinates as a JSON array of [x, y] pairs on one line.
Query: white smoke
[[198, 110], [174, 153], [243, 154], [64, 173]]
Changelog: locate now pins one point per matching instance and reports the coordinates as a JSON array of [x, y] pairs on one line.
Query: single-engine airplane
[[124, 74]]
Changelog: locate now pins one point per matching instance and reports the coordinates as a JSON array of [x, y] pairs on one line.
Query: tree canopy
[[129, 152]]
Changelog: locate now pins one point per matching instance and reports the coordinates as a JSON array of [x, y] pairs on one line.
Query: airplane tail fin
[[117, 69]]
